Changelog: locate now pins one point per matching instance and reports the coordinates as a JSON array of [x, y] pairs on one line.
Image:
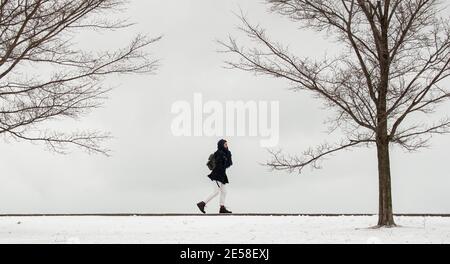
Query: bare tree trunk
[[385, 214]]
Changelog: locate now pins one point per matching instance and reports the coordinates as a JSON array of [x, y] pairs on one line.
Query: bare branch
[[311, 157], [43, 77], [394, 55]]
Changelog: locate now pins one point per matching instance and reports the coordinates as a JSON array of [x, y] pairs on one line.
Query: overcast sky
[[152, 171]]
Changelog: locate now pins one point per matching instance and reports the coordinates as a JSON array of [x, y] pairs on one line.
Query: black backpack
[[211, 162]]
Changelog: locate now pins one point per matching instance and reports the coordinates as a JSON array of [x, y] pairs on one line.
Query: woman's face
[[225, 145]]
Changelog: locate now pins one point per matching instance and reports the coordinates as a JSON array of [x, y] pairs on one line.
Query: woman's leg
[[212, 195], [223, 194]]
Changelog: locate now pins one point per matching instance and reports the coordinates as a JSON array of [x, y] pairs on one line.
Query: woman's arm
[[220, 161], [229, 160]]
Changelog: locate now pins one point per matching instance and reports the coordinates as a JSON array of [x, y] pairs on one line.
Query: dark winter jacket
[[223, 161]]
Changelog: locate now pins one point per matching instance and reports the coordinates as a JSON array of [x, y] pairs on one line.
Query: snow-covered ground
[[220, 229]]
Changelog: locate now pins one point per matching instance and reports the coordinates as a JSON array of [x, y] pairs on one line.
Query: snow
[[220, 229]]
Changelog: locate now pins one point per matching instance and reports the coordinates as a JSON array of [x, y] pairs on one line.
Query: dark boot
[[201, 206], [224, 210]]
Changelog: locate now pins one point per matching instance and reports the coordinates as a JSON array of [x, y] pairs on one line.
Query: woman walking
[[222, 161]]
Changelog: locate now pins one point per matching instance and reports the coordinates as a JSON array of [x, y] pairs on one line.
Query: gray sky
[[153, 171]]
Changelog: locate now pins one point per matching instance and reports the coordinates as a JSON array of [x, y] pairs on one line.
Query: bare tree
[[382, 86], [44, 77]]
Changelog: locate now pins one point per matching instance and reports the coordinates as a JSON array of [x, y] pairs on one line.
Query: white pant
[[218, 188]]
